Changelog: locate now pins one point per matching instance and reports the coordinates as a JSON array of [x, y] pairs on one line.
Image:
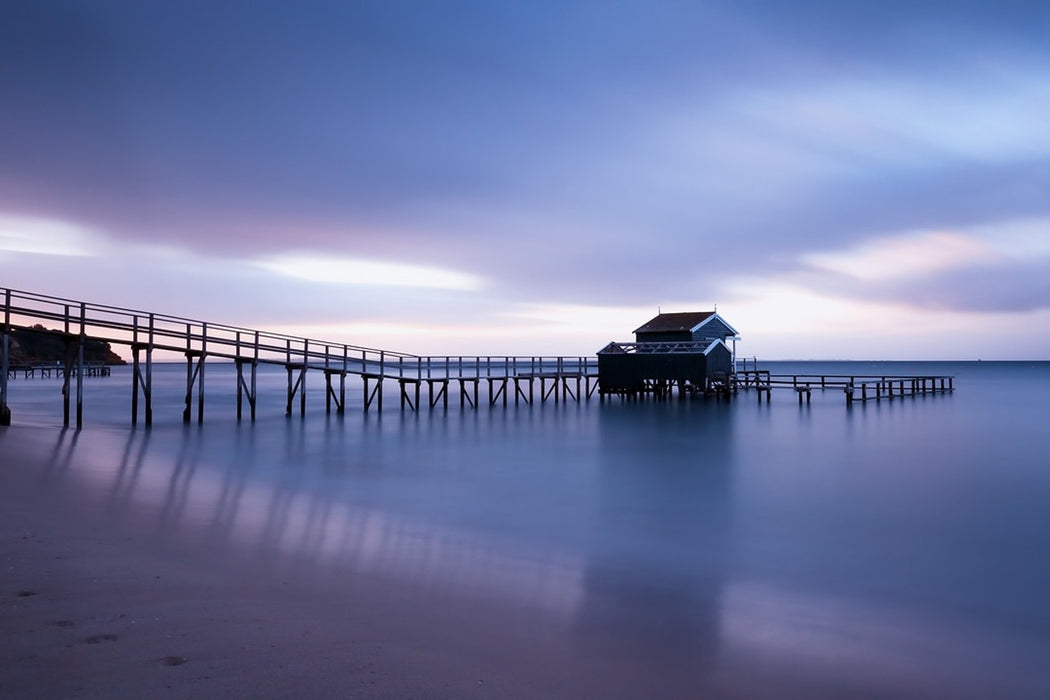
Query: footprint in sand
[[99, 638]]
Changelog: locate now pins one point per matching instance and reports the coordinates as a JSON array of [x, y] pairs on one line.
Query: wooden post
[[200, 374], [135, 370], [147, 389], [255, 364], [239, 362], [327, 390], [80, 369], [302, 378], [342, 382], [5, 360], [189, 375], [240, 373], [288, 367]]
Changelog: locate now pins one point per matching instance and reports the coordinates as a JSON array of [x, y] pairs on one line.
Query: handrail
[[179, 334]]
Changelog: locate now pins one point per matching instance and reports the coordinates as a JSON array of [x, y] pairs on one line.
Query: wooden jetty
[[641, 369], [855, 387], [558, 378], [56, 371]]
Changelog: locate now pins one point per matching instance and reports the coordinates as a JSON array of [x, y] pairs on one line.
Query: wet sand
[[96, 605]]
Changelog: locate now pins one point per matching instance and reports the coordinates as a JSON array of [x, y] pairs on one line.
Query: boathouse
[[687, 350]]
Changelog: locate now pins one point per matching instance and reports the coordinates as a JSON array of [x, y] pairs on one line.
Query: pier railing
[[146, 332]]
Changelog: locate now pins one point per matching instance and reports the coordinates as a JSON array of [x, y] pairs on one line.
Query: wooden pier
[[56, 371], [423, 382], [856, 388], [557, 378]]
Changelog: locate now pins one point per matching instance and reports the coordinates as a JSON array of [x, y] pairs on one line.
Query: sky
[[844, 180]]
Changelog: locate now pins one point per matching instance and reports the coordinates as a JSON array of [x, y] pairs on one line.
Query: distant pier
[[857, 388], [45, 370]]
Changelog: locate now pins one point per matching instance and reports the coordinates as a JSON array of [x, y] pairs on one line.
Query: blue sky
[[845, 180]]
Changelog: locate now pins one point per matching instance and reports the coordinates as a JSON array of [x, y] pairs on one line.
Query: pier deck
[[145, 333], [855, 387]]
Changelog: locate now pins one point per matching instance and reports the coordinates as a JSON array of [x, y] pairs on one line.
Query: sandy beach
[[99, 604]]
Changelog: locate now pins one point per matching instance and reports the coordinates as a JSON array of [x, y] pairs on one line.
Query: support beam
[[73, 366], [330, 393], [519, 393], [546, 393], [80, 367], [246, 387], [142, 381], [5, 360], [194, 380], [464, 397], [442, 393], [406, 397], [495, 393], [376, 394], [296, 385]]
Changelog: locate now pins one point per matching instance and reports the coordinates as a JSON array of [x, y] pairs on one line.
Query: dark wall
[[627, 372], [719, 360]]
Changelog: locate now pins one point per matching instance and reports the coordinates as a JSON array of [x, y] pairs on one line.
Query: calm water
[[907, 539]]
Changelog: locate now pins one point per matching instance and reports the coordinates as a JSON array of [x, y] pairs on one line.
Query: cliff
[[41, 345]]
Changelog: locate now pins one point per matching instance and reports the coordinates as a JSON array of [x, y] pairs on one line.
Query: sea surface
[[905, 543]]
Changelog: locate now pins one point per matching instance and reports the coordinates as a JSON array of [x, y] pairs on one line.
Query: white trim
[[706, 320]]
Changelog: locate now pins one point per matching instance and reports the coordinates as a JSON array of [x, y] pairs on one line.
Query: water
[[900, 544]]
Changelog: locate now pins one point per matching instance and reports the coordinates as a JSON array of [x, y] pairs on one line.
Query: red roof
[[685, 321]]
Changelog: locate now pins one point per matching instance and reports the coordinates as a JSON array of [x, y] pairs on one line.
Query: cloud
[[1000, 266], [350, 271], [980, 112], [48, 237], [924, 253]]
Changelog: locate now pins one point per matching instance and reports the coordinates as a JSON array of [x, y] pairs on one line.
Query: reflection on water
[[900, 543], [282, 509], [663, 529]]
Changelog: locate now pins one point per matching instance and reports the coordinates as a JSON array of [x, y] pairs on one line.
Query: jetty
[[684, 354], [855, 387], [57, 370], [527, 379]]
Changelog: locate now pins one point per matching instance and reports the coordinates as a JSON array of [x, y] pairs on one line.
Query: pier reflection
[[653, 584], [284, 500], [631, 549]]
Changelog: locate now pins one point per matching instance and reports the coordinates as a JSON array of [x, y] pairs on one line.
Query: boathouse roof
[[683, 321]]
